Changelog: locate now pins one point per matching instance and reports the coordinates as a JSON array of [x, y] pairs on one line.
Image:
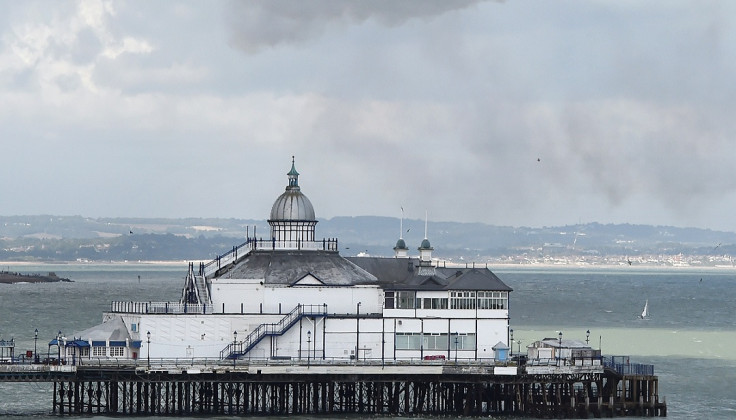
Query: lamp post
[[456, 342], [35, 346], [357, 332], [309, 346], [58, 345], [587, 337], [511, 341], [559, 350], [519, 343], [148, 342], [235, 342]]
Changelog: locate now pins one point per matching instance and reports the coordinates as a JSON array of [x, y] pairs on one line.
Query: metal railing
[[159, 308], [623, 366], [253, 244], [240, 348]]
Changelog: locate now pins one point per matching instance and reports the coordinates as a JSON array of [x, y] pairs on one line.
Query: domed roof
[[400, 244], [292, 204], [425, 244]]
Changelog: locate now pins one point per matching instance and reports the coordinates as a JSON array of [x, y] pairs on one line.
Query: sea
[[689, 337]]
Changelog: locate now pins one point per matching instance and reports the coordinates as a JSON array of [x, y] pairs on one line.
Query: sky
[[514, 113]]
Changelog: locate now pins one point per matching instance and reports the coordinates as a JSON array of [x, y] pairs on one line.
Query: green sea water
[[690, 336]]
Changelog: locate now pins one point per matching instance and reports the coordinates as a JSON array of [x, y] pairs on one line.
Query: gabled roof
[[113, 329], [308, 276], [288, 267], [500, 346]]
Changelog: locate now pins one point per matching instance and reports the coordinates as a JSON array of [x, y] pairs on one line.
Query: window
[[134, 327], [388, 301], [462, 300], [84, 352], [463, 341], [493, 300], [435, 341], [408, 341], [433, 303], [405, 299], [417, 341], [99, 351], [117, 351]]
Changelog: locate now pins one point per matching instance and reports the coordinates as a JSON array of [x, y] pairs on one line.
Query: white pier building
[[295, 297]]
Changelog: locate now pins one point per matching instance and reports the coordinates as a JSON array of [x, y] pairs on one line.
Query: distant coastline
[[493, 265]]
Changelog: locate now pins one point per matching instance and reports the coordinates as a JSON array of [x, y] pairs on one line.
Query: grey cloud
[[256, 25]]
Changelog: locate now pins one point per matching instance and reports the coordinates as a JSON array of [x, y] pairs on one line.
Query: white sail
[[645, 312]]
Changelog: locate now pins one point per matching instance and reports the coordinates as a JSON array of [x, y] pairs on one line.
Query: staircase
[[203, 292], [239, 349], [196, 290]]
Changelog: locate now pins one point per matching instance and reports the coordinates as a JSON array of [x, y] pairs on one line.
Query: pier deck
[[312, 387]]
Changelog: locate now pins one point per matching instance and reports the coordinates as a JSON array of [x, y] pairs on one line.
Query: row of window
[[406, 299], [435, 341], [102, 351]]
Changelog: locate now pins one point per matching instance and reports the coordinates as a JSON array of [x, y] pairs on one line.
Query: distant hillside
[[70, 238]]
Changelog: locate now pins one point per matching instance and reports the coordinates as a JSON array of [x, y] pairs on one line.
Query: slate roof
[[114, 330], [288, 267], [403, 273]]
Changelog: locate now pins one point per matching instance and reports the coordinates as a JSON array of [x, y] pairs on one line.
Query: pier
[[284, 387]]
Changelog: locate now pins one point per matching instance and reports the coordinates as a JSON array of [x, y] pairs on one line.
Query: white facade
[[267, 300]]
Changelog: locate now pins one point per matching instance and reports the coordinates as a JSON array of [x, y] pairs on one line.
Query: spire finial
[[401, 224], [293, 175], [425, 224]]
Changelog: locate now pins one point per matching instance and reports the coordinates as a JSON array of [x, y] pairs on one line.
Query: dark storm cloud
[[260, 24]]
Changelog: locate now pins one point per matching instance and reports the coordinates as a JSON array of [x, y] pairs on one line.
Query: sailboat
[[645, 312]]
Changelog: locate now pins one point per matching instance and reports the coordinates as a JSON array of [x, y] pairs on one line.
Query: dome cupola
[[292, 215], [292, 204]]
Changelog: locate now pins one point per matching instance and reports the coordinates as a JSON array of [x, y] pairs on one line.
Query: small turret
[[401, 250], [425, 254]]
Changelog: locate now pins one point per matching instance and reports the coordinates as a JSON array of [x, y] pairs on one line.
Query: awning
[[77, 343], [117, 344]]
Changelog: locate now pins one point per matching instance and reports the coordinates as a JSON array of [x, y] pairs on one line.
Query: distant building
[[291, 296]]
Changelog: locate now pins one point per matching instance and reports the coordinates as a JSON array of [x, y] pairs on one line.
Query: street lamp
[[511, 341], [559, 351], [235, 342], [58, 345], [357, 332], [309, 346], [148, 342], [519, 343], [587, 336], [456, 342], [35, 346]]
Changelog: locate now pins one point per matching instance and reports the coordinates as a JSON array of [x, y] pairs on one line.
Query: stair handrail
[[277, 328]]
